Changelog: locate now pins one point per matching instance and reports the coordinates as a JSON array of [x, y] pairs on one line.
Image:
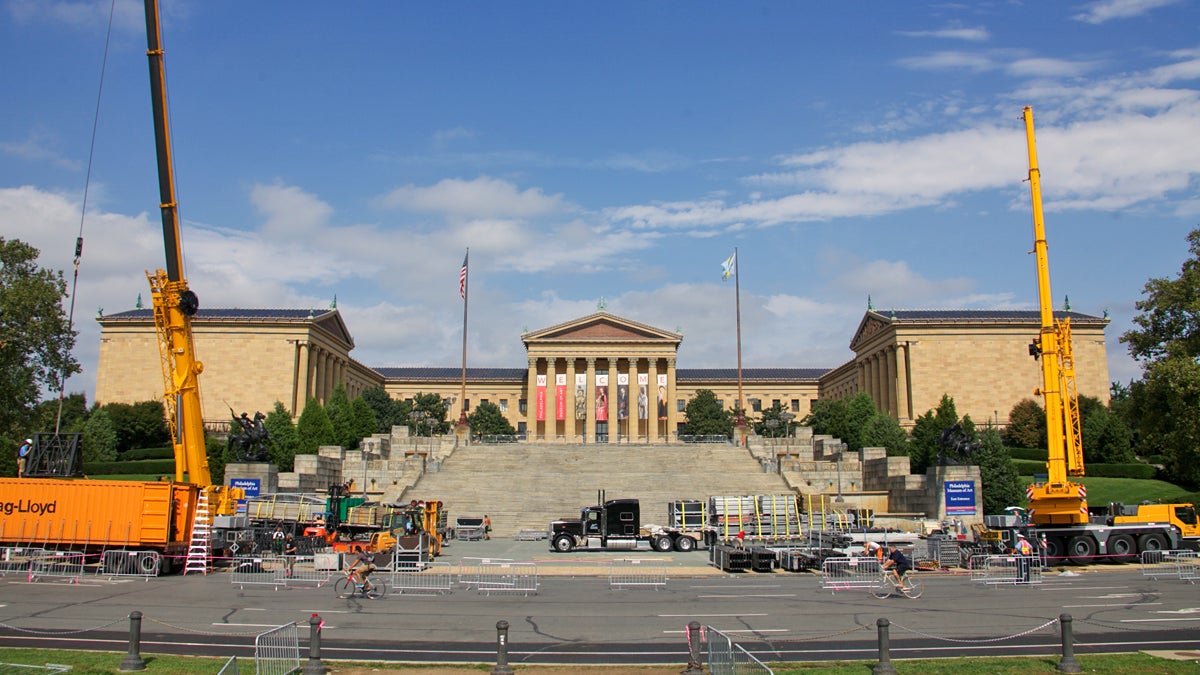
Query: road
[[575, 617]]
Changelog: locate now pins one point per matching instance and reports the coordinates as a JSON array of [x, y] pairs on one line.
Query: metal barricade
[[725, 657], [435, 578], [632, 572], [277, 651], [125, 563], [1009, 569], [508, 577], [230, 667], [303, 570], [1163, 563], [61, 564], [18, 559], [1189, 566], [840, 574], [470, 570], [977, 567], [258, 571]]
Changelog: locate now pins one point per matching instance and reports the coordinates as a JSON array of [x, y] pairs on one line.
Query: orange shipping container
[[96, 514]]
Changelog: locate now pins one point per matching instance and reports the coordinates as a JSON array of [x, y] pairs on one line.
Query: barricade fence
[[305, 570], [1006, 569], [1176, 563], [125, 563], [277, 651], [17, 559], [435, 578], [58, 564], [725, 657], [508, 577], [635, 572], [840, 574], [471, 570], [258, 571]]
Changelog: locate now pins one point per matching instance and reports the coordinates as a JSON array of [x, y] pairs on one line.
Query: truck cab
[[615, 524]]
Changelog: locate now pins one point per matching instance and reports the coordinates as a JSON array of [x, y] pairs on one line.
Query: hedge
[[148, 453], [165, 467], [1038, 454], [1027, 467]]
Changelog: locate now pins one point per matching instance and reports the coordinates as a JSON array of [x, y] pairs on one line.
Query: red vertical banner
[[560, 396], [601, 398], [541, 398]]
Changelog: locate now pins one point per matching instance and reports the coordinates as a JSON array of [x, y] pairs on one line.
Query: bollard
[[133, 660], [314, 666], [501, 667], [1067, 664], [694, 666], [884, 667]]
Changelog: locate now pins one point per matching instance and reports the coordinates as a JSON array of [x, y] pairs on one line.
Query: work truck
[[615, 525]]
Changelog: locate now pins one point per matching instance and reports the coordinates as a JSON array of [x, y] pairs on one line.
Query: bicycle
[[913, 587], [347, 587]]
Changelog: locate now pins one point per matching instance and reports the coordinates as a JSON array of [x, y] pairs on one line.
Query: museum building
[[603, 377]]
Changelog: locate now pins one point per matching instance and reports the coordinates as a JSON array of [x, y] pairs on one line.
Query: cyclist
[[363, 565], [899, 564]]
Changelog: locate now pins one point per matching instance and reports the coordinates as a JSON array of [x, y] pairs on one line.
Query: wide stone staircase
[[524, 486]]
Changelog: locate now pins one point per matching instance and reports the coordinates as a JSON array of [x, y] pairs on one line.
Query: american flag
[[462, 278]]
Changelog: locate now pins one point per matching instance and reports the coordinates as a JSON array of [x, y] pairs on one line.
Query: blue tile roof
[[234, 313], [749, 374], [951, 315]]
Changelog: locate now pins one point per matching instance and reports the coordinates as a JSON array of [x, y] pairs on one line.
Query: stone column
[[589, 390], [531, 427], [652, 414], [300, 387], [889, 380], [571, 426], [672, 415], [310, 386], [634, 421], [551, 389], [614, 426], [903, 411]]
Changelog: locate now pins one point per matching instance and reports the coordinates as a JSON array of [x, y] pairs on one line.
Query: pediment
[[871, 324], [601, 327]]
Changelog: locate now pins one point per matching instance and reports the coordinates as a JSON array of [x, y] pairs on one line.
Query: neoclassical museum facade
[[603, 377]]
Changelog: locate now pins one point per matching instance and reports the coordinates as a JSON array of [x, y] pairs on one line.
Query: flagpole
[[737, 295], [462, 398]]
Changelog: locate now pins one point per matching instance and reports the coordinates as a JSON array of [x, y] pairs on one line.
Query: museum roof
[[233, 313], [439, 373], [981, 315], [749, 374], [442, 374]]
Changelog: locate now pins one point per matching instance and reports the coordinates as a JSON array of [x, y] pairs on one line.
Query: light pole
[[786, 418], [839, 499]]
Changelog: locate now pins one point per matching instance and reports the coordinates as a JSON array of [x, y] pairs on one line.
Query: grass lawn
[[1130, 490]]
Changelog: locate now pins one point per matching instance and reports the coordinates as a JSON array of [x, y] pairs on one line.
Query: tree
[[828, 417], [706, 417], [313, 429], [35, 338], [762, 426], [428, 407], [337, 407], [139, 425], [487, 420], [859, 413], [362, 420], [389, 412], [74, 414], [99, 439], [1164, 406], [923, 446], [999, 480], [281, 449], [1026, 425], [884, 431]]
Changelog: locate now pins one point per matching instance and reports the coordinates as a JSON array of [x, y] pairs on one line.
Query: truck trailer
[[93, 516]]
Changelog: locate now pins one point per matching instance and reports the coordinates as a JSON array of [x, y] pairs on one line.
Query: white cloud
[[979, 34], [1106, 10], [38, 146], [127, 15], [482, 197]]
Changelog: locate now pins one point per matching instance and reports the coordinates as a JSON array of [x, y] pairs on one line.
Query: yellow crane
[[1058, 501]]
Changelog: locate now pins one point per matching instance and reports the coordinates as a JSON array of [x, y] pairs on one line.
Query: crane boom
[[1058, 500], [174, 304]]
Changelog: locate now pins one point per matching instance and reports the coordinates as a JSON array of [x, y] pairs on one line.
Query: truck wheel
[[1152, 541], [563, 544], [1081, 549], [1121, 548], [684, 544], [661, 543], [1056, 550]]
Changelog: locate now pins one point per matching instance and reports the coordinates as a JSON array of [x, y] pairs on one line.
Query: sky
[[613, 152]]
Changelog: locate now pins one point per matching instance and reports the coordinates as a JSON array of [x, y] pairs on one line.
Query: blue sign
[[960, 497], [252, 486]]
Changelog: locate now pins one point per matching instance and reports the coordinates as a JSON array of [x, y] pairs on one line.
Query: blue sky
[[616, 150]]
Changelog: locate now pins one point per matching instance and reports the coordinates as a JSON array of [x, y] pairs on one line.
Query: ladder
[[199, 550]]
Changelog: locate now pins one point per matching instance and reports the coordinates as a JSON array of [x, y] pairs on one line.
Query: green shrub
[[148, 453], [1038, 454], [1122, 470], [1029, 467], [164, 467]]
